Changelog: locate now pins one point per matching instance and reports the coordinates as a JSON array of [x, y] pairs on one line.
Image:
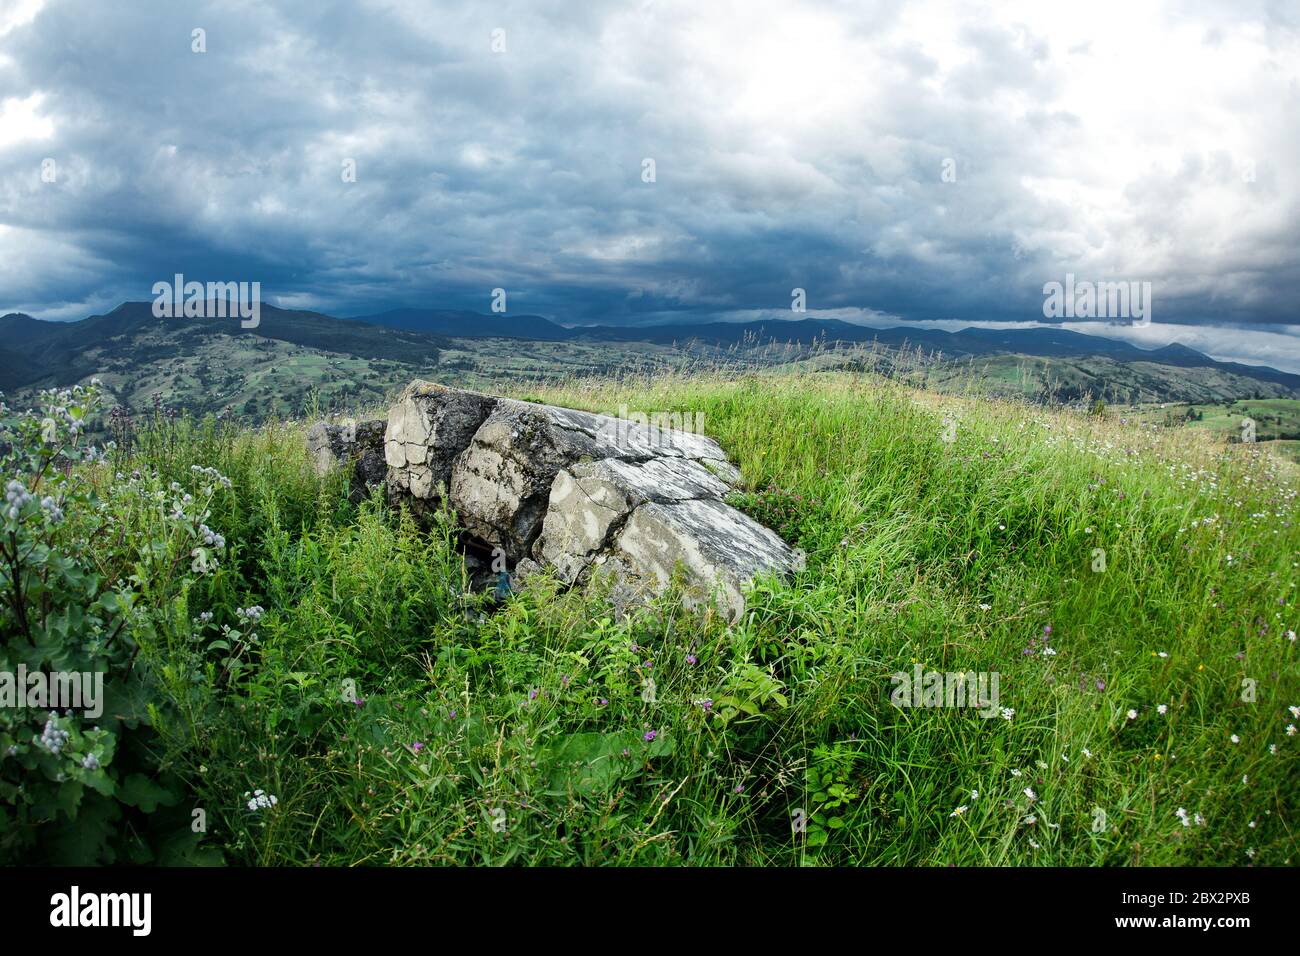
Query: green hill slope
[[1133, 589]]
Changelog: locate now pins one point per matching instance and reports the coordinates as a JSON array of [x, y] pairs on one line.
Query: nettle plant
[[89, 579]]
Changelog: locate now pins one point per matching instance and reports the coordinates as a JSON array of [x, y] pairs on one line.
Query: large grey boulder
[[427, 428], [358, 446], [580, 493], [501, 484]]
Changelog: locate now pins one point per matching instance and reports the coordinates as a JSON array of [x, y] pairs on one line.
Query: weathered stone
[[581, 494], [588, 500], [428, 427], [356, 445], [501, 483], [720, 549]]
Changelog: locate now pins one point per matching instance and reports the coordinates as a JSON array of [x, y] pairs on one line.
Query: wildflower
[[1290, 730], [651, 735], [359, 701], [1015, 773], [1295, 711], [1031, 820], [1181, 813], [1029, 792], [1200, 820], [417, 746], [1008, 713], [1250, 852], [959, 811], [974, 794], [1034, 845], [690, 659], [52, 738], [1132, 714], [1162, 709], [1235, 739], [260, 800], [91, 762], [986, 607], [1087, 752], [1272, 748]]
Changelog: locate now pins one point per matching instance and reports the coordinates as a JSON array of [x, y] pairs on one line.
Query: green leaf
[[139, 791]]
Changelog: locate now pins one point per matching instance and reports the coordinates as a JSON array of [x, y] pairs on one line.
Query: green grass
[[525, 734]]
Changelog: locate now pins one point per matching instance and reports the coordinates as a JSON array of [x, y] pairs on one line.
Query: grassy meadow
[[1133, 587]]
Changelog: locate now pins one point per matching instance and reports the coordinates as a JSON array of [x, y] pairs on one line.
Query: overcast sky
[[795, 144]]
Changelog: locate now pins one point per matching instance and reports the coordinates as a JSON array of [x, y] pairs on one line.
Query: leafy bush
[[87, 581]]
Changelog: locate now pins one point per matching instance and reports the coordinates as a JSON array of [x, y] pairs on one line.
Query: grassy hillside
[[1143, 715], [294, 361]]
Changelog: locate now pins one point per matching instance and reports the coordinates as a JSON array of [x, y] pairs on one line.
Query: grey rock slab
[[427, 428], [578, 493], [589, 499], [721, 549], [501, 483]]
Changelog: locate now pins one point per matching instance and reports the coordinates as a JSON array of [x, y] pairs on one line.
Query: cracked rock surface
[[581, 494]]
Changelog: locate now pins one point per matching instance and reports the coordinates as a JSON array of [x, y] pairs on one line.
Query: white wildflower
[[260, 800]]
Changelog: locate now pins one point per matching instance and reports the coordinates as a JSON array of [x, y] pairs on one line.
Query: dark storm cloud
[[795, 145]]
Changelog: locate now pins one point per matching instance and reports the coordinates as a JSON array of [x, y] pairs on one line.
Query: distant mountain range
[[293, 355], [967, 343]]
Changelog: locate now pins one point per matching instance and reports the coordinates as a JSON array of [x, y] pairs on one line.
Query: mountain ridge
[[40, 352]]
